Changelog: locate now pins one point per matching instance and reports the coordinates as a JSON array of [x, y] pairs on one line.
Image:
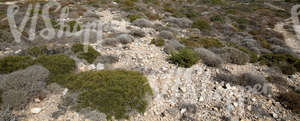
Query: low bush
[[253, 55], [202, 42], [251, 79], [90, 56], [184, 58], [113, 92], [209, 58], [133, 17], [232, 55], [227, 78], [37, 51], [158, 42], [277, 59], [288, 64], [287, 69], [256, 82], [291, 100], [20, 87], [9, 64], [201, 24], [59, 65]]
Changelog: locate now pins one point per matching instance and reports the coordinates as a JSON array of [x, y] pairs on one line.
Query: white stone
[[183, 111], [65, 91], [36, 110], [275, 115], [18, 51], [91, 67], [201, 99], [100, 66]]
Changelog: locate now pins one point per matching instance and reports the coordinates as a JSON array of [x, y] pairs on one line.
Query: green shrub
[[184, 58], [233, 55], [202, 42], [9, 64], [113, 92], [217, 18], [133, 17], [201, 24], [37, 51], [287, 69], [288, 64], [253, 56], [277, 59], [59, 65], [158, 42], [90, 56]]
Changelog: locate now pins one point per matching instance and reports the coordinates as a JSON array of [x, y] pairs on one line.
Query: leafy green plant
[[59, 65], [133, 17], [10, 64], [113, 92], [184, 58], [37, 51], [217, 18], [158, 42], [201, 24], [90, 56]]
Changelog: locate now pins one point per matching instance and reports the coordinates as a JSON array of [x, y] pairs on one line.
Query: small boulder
[[143, 23], [172, 45], [125, 38], [166, 35], [138, 33]]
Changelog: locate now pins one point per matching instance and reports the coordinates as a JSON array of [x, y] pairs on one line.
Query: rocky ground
[[192, 94]]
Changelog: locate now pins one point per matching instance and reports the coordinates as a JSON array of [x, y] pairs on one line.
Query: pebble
[[36, 110], [182, 110], [91, 67], [275, 115], [100, 66], [201, 99]]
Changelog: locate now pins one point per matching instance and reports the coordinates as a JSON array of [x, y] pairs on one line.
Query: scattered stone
[[36, 110]]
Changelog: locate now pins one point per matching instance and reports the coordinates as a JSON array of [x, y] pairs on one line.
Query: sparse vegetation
[[291, 100], [253, 56], [184, 58], [202, 42], [209, 58], [288, 64], [201, 24], [9, 64], [232, 55], [158, 42], [133, 17], [37, 51], [113, 92], [90, 56]]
